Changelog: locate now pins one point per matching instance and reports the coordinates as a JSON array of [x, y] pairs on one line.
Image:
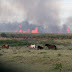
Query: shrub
[[58, 66], [70, 49], [3, 35]]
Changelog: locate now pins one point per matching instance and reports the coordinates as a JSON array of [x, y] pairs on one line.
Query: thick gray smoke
[[44, 13], [67, 25]]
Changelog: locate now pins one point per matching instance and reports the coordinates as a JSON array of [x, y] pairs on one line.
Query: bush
[[3, 35], [58, 66]]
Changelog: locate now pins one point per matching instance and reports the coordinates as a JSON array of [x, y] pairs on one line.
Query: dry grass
[[4, 38], [24, 59]]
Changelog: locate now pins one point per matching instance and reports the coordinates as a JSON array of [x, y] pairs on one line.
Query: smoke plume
[[67, 25], [44, 13]]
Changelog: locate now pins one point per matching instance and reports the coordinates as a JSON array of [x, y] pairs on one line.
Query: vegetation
[[3, 35], [14, 42], [49, 36], [20, 58], [58, 66]]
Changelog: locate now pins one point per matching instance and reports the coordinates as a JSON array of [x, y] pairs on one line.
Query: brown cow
[[51, 46], [5, 46]]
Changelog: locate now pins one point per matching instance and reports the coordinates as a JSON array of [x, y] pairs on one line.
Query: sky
[[52, 15], [66, 10]]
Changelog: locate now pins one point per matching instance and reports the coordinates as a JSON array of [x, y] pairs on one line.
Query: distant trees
[[3, 35]]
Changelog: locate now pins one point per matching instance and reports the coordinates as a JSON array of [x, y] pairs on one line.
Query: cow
[[51, 46], [32, 46], [39, 47], [5, 46]]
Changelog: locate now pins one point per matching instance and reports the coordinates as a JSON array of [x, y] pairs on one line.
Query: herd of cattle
[[35, 47], [40, 47]]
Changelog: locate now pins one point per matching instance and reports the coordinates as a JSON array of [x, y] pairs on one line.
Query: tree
[[3, 35]]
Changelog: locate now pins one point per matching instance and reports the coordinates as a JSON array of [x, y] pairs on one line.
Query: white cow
[[32, 46]]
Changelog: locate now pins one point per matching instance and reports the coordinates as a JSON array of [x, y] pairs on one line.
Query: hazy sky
[[51, 14], [66, 10]]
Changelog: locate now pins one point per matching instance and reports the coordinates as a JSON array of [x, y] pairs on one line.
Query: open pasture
[[20, 58]]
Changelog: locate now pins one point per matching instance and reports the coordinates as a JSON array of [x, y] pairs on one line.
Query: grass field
[[20, 58]]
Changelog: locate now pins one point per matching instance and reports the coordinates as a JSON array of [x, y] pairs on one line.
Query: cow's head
[[47, 45]]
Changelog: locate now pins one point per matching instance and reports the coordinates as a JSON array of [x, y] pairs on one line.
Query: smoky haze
[[43, 14], [67, 24]]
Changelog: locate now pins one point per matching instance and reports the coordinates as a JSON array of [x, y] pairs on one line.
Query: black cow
[[39, 47]]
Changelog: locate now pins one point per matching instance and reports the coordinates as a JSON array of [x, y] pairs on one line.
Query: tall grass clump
[[59, 54], [58, 66]]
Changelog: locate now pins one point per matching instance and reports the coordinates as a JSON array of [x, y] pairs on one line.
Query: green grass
[[14, 42]]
